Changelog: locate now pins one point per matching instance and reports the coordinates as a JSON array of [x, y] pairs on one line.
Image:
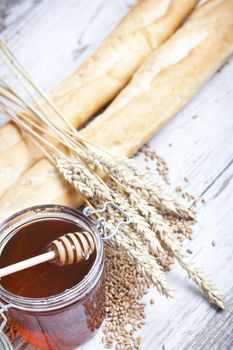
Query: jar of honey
[[52, 307]]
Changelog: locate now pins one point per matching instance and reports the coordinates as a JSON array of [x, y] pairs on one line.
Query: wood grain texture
[[218, 334], [197, 144], [11, 10]]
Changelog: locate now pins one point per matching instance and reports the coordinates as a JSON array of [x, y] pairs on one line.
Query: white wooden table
[[51, 38]]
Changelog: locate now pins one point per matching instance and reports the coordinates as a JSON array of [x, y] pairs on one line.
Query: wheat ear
[[91, 187], [195, 273], [158, 225], [81, 179], [128, 173]]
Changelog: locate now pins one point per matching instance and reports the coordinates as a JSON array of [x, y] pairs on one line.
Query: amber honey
[[54, 307], [46, 279]]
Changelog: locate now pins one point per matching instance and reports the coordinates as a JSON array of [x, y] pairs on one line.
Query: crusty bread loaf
[[104, 74], [98, 80], [167, 80], [164, 85], [110, 68]]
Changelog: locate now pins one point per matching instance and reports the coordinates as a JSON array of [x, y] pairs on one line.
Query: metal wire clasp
[[3, 309], [101, 222]]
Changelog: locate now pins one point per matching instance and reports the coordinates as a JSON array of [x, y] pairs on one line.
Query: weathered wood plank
[[12, 10], [218, 334], [178, 324]]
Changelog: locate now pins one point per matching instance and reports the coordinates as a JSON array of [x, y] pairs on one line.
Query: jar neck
[[74, 294]]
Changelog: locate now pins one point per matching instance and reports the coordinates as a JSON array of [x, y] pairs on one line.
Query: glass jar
[[4, 342], [68, 319]]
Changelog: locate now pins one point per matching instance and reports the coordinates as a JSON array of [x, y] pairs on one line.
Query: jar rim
[[77, 292]]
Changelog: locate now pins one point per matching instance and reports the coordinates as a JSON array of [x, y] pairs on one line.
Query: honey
[[53, 307], [46, 279]]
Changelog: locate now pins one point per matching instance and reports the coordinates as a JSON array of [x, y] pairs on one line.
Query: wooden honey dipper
[[66, 250]]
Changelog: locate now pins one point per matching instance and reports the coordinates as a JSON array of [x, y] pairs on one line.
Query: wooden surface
[[51, 38]]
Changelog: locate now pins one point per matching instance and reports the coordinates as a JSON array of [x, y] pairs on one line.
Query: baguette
[[111, 67], [170, 79], [103, 75]]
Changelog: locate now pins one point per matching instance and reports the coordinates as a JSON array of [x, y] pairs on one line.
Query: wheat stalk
[[80, 178], [167, 237], [130, 174], [155, 192], [134, 189], [91, 187], [151, 216]]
